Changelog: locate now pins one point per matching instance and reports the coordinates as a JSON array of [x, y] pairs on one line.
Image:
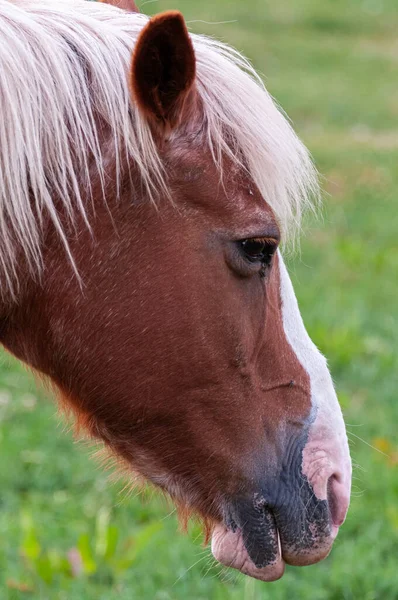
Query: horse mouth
[[259, 544]]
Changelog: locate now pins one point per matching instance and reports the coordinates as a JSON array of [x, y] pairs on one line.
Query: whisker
[[370, 445], [189, 569], [211, 22]]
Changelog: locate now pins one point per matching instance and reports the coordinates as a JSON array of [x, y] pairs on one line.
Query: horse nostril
[[338, 500]]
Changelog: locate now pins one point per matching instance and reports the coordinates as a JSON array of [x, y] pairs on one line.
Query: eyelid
[[265, 238], [271, 237], [271, 242]]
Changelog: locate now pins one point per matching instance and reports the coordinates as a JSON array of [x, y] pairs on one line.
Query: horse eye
[[259, 250]]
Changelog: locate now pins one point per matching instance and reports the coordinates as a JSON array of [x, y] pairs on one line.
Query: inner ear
[[163, 68]]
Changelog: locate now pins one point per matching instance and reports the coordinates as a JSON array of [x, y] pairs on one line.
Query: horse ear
[[128, 5], [163, 69]]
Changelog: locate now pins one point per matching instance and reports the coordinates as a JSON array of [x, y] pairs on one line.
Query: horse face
[[268, 418], [185, 351]]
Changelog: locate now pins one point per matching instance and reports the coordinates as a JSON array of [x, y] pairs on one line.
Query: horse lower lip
[[230, 550], [257, 527], [261, 537]]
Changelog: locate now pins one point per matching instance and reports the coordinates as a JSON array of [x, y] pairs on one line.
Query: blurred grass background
[[332, 65]]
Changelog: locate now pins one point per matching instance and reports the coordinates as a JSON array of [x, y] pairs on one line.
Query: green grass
[[332, 65]]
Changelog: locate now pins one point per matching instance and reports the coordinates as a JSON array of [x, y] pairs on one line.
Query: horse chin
[[228, 548]]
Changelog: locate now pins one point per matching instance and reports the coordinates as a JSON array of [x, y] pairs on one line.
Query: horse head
[[170, 325]]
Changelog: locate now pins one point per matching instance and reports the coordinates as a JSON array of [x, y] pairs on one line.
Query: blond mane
[[63, 65]]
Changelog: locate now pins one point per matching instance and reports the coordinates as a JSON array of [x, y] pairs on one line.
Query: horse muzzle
[[258, 536], [288, 519]]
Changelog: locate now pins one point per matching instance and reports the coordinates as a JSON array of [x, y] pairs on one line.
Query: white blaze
[[326, 452]]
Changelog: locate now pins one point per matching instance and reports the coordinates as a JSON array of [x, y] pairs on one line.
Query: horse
[[147, 182]]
